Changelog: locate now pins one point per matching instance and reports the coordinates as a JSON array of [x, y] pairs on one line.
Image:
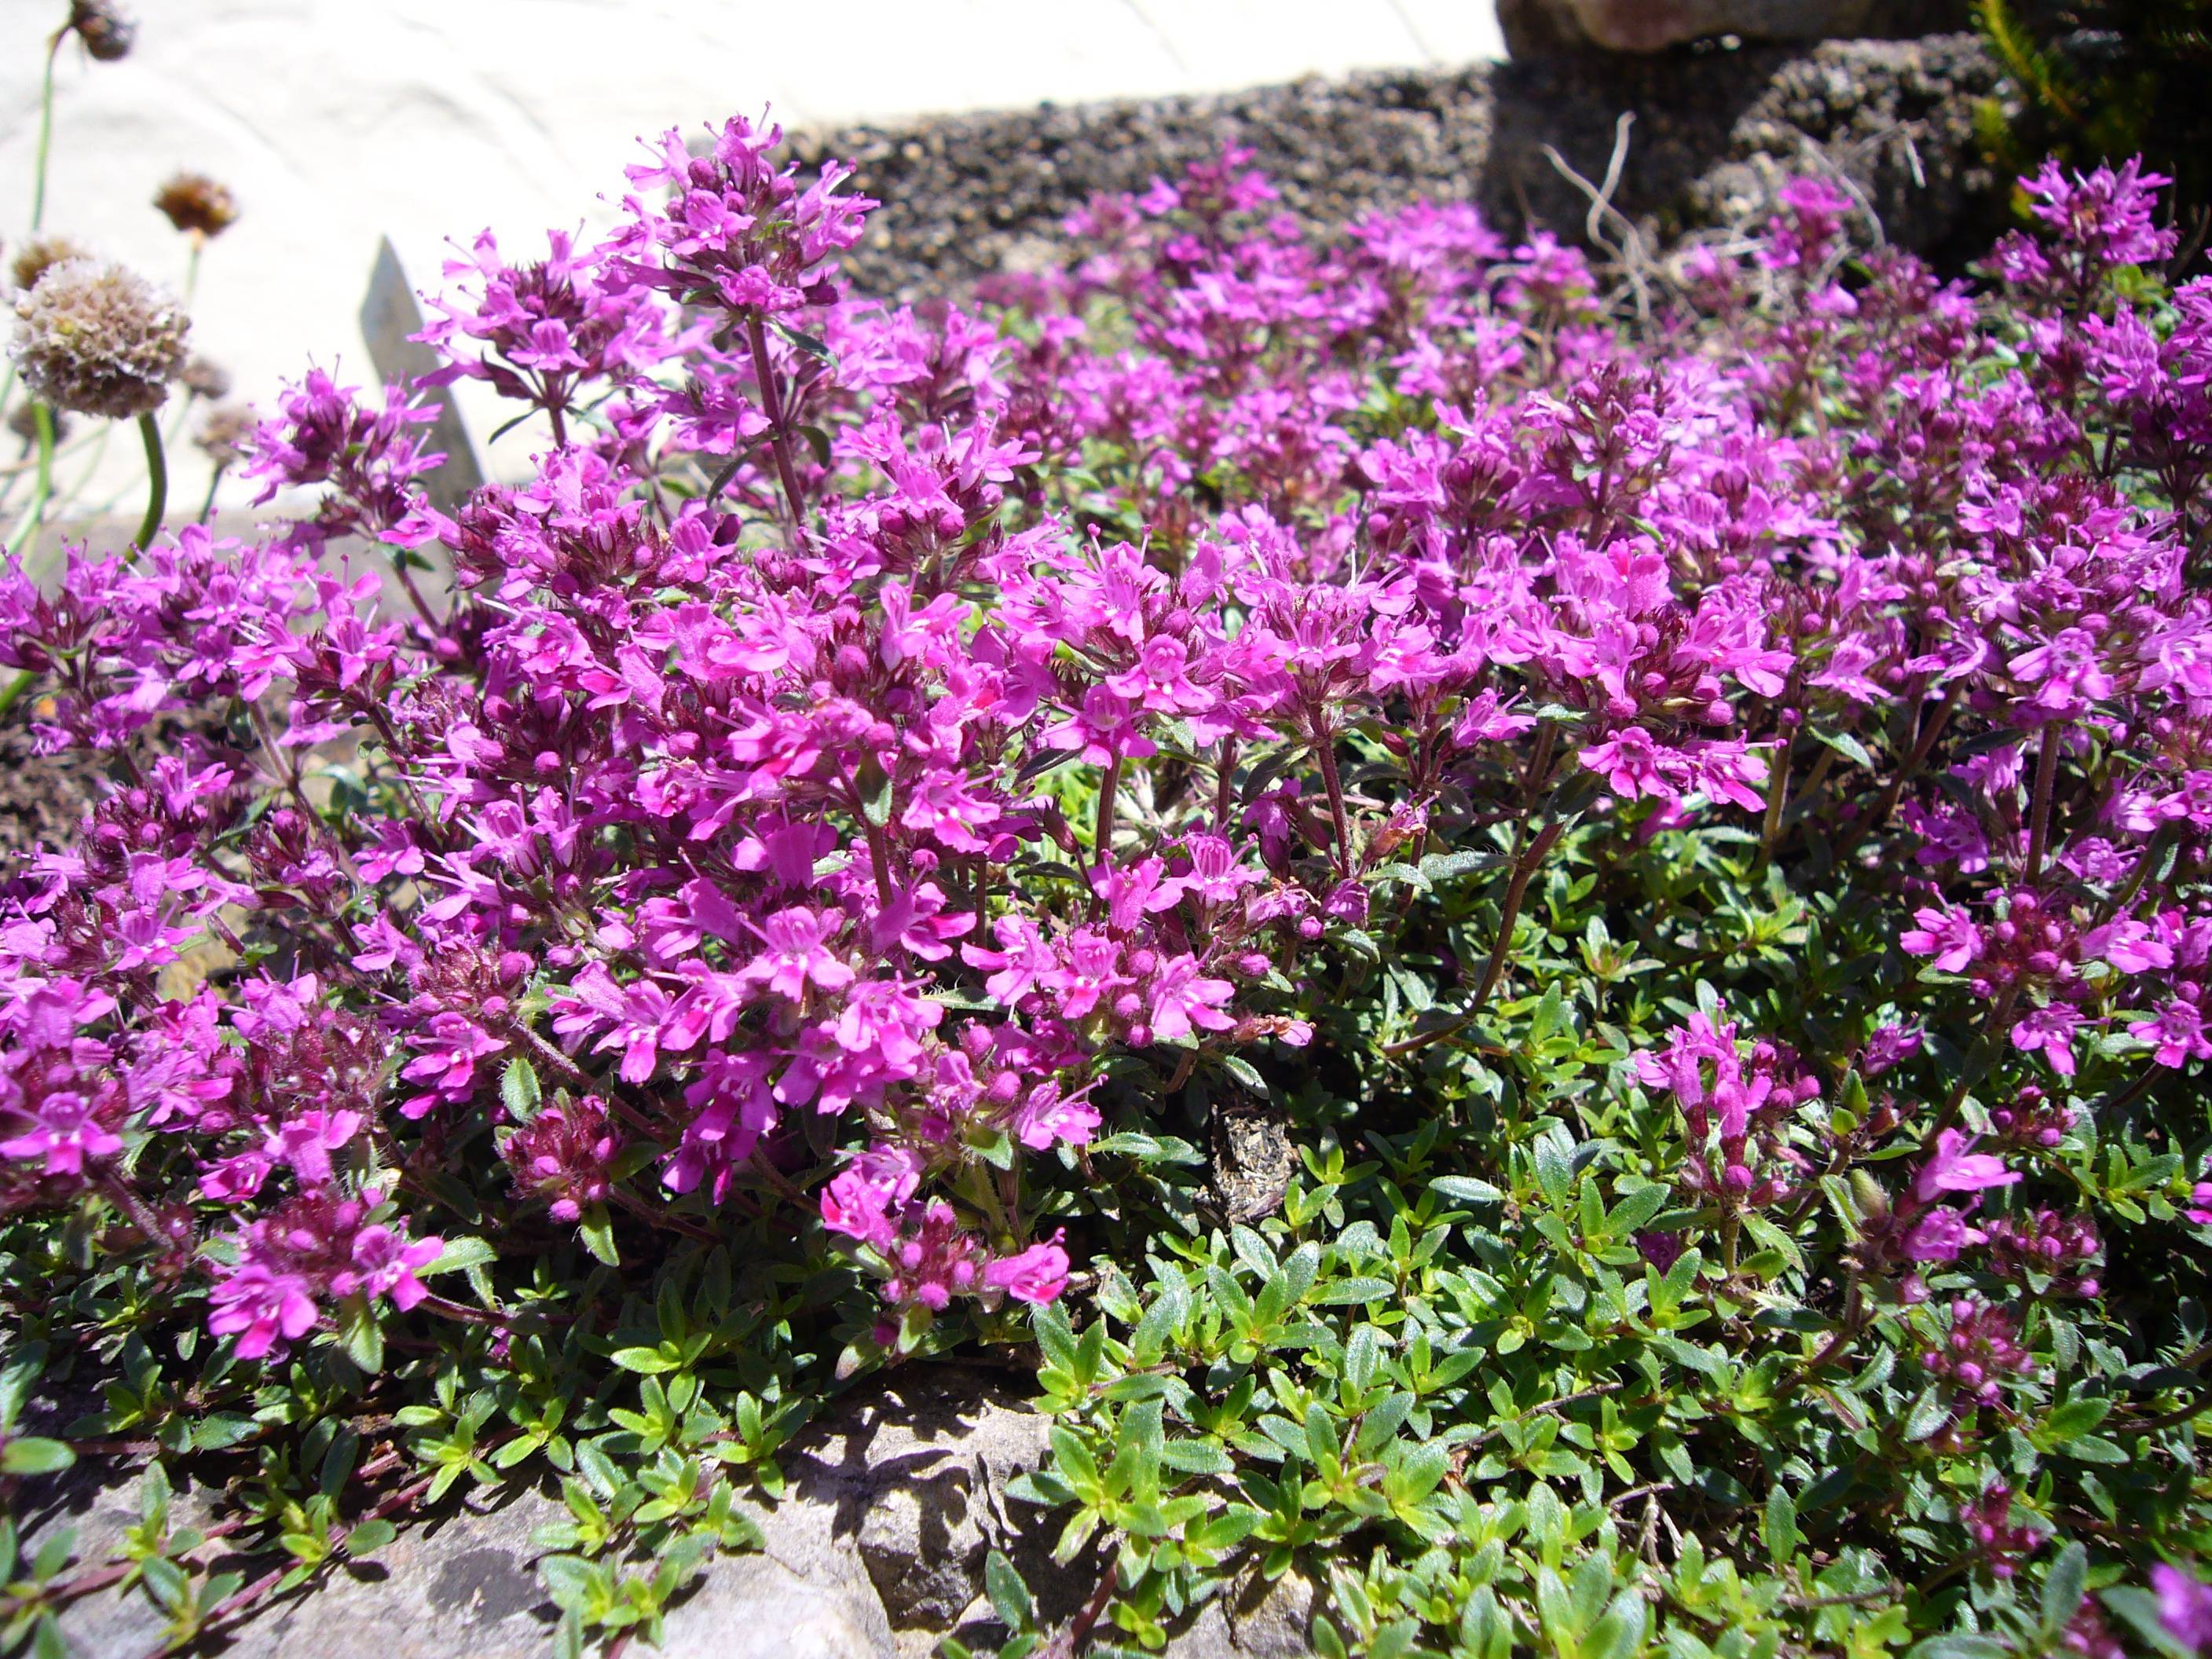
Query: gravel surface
[[41, 796], [966, 195]]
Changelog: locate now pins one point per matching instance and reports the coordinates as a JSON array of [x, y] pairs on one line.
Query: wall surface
[[339, 121]]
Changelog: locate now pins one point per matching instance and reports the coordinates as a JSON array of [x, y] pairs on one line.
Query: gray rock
[[876, 1550], [1539, 26], [754, 1607], [1270, 1620], [1206, 1636], [1256, 1618], [970, 197], [899, 1496], [460, 1583], [391, 318]]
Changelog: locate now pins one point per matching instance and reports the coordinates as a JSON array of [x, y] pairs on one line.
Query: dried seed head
[[95, 339], [106, 28], [223, 433], [198, 205], [23, 422], [204, 377], [41, 254]]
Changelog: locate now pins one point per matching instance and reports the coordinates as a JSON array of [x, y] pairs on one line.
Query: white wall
[[338, 121]]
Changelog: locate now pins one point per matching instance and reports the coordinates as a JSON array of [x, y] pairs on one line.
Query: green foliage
[[2103, 79], [659, 1425], [1446, 1383], [1495, 1371]]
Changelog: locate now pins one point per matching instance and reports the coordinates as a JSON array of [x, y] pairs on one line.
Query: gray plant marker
[[390, 315]]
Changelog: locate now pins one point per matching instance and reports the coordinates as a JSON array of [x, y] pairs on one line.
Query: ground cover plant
[[1683, 801], [2090, 78]]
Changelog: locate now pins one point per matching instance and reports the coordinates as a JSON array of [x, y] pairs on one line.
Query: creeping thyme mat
[[1683, 803]]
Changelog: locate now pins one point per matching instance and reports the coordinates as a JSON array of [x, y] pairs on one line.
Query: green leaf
[[1141, 1435], [2095, 1449], [1963, 1646], [1554, 1168], [994, 1146], [1697, 1359], [596, 1228], [1466, 1189], [1846, 746], [219, 1429], [1055, 1338], [31, 1455], [1245, 1074], [2139, 1608], [1444, 866], [808, 344], [2062, 1588], [597, 1469], [1782, 1535], [2075, 1418], [1635, 1210], [873, 786], [1009, 1597], [1194, 1457], [1620, 1633], [567, 1578], [368, 1537], [1928, 1414], [1352, 1292], [17, 1378], [518, 1090], [1555, 1612], [459, 1254], [359, 1334]]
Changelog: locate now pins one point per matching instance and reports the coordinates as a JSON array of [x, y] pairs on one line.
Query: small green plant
[[2102, 80]]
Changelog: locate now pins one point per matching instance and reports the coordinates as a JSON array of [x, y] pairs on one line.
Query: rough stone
[[1270, 1620], [900, 1497], [1531, 26], [755, 1607], [972, 197], [460, 1583], [876, 1552], [894, 1501], [1257, 1618]]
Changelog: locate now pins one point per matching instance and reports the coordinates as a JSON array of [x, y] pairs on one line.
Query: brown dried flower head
[[41, 254], [223, 433], [198, 205], [204, 377], [23, 422], [96, 338], [106, 28]]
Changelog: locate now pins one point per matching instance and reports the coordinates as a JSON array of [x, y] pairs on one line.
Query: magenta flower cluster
[[871, 730]]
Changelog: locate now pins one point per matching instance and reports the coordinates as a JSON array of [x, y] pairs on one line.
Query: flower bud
[[41, 254], [204, 377], [106, 28], [198, 205]]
